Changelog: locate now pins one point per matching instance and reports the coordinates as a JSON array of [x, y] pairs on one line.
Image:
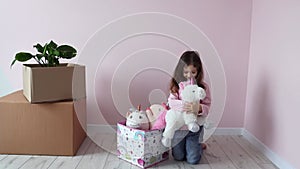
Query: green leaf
[[12, 63], [66, 51], [46, 59], [39, 48], [50, 50], [56, 53], [52, 45], [45, 48], [50, 60], [47, 55], [56, 61], [39, 56], [23, 56]]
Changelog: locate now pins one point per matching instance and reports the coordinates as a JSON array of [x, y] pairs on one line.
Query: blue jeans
[[186, 146]]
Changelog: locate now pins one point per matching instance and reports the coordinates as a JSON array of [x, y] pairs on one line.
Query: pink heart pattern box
[[139, 147]]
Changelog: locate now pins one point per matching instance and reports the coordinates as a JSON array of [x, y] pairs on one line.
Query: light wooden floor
[[223, 152]]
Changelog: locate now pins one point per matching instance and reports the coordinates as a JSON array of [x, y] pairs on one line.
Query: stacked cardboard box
[[48, 84], [48, 128], [54, 126]]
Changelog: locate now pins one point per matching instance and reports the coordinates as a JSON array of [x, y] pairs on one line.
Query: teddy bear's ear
[[128, 113]]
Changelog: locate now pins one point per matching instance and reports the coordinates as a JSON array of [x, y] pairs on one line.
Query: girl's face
[[190, 71]]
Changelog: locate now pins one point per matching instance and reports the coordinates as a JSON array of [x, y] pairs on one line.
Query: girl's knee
[[194, 156], [179, 157], [193, 160]]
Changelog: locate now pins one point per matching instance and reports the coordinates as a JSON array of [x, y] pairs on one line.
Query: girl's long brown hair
[[186, 59]]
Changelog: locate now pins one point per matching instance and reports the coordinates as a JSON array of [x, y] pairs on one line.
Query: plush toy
[[135, 118], [154, 111], [176, 119]]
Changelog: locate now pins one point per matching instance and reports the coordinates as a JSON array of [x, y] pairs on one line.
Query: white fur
[[137, 119], [176, 119]]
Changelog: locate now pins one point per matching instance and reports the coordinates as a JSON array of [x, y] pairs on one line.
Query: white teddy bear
[[176, 119], [143, 120], [138, 119]]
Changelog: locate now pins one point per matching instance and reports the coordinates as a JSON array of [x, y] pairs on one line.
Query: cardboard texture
[[141, 148], [48, 84], [41, 129]]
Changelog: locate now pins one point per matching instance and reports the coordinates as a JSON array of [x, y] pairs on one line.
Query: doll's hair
[[186, 59]]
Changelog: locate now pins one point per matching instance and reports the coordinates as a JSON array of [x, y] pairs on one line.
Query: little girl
[[185, 144]]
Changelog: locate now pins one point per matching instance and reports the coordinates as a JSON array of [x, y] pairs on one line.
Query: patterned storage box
[[141, 148]]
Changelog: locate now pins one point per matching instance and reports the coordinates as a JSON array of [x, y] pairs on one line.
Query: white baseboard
[[279, 162], [111, 128], [101, 128], [228, 131]]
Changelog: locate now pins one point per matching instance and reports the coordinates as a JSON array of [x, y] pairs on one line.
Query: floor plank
[[216, 157], [202, 166], [236, 153], [223, 152], [114, 162], [170, 164], [2, 156], [13, 161], [38, 162], [65, 162], [251, 150], [96, 156], [254, 152], [268, 166], [105, 140]]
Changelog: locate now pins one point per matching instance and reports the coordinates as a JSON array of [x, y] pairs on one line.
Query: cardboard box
[[141, 148], [48, 84], [48, 129]]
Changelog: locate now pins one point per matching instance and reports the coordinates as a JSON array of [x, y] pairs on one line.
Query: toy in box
[[140, 147], [136, 143]]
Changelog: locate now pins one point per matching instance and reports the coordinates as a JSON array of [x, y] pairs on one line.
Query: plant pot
[[49, 84]]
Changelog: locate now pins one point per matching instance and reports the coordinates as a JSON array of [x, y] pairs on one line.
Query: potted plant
[[48, 55], [49, 80]]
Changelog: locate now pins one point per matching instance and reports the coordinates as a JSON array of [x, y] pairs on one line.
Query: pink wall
[[273, 77], [272, 111], [226, 24]]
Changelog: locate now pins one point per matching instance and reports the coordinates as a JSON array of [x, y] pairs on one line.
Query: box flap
[[27, 85]]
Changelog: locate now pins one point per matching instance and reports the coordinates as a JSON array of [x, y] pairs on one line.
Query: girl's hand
[[192, 108]]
